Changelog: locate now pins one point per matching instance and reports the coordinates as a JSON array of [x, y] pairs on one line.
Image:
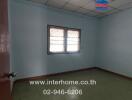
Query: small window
[[63, 40]]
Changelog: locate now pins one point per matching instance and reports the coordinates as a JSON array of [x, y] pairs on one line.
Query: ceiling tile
[[57, 3], [91, 5], [82, 10], [71, 7], [118, 3], [79, 2], [126, 6]]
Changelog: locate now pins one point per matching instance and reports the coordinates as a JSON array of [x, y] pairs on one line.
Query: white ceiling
[[86, 7]]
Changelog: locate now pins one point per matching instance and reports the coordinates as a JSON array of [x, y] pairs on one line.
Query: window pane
[[72, 42], [72, 33], [57, 38], [72, 48], [73, 39], [56, 32], [57, 42], [56, 48]]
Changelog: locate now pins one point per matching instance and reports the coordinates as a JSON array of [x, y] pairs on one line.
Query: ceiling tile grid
[[87, 7]]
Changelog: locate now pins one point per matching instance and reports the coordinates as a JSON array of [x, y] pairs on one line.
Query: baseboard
[[109, 71], [54, 74], [67, 72]]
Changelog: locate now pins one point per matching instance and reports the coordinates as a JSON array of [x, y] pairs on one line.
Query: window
[[63, 40]]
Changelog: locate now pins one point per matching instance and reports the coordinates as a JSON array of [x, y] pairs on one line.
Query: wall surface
[[29, 40], [105, 43], [115, 43]]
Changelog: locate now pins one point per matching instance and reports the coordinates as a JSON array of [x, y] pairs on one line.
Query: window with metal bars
[[63, 40]]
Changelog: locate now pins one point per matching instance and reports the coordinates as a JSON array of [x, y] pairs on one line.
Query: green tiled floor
[[108, 87]]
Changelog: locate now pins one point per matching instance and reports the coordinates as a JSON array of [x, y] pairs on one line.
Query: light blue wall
[[115, 43], [29, 40]]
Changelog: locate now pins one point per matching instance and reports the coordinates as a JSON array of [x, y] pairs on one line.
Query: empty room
[[65, 49]]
